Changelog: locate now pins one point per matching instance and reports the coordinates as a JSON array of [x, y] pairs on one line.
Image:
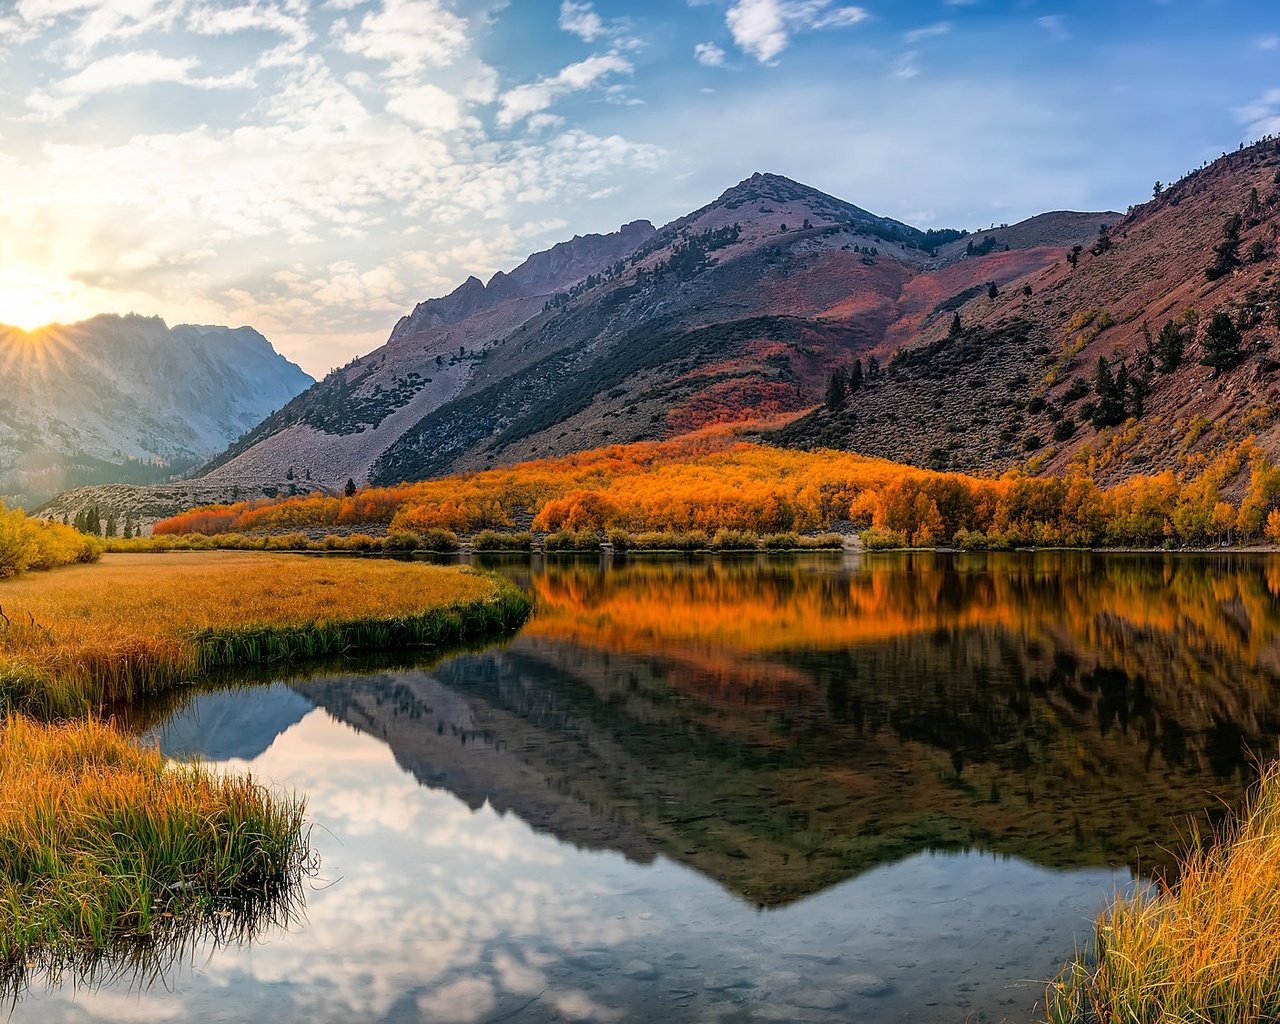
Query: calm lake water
[[823, 788]]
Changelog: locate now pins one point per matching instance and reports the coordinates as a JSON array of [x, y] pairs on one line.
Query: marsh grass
[[87, 636], [113, 859], [1206, 948]]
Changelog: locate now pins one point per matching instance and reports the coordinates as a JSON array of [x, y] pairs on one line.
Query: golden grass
[[108, 850], [80, 637], [1205, 949]]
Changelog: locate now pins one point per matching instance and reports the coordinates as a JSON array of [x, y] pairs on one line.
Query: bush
[[491, 540], [573, 540], [970, 540], [436, 539], [1064, 430], [735, 540], [620, 539], [782, 542], [882, 540]]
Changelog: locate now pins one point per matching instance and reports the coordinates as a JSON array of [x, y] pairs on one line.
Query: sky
[[314, 168]]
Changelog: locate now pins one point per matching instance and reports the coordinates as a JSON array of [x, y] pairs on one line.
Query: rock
[[639, 969], [593, 960], [869, 985], [818, 999]]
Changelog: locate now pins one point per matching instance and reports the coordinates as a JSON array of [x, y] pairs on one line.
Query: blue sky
[[315, 167]]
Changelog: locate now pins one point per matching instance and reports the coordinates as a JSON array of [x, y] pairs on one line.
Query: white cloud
[[582, 20], [1262, 116], [429, 107], [1055, 25], [905, 66], [763, 28], [123, 71], [940, 28], [408, 35], [709, 55], [524, 100], [1269, 43]]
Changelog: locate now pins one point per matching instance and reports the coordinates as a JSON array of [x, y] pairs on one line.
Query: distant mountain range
[[127, 398], [979, 351]]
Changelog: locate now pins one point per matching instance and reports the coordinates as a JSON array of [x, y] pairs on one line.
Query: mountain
[[129, 399], [1019, 382], [737, 311]]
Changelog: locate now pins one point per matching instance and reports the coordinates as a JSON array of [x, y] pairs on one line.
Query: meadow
[[85, 636], [714, 481]]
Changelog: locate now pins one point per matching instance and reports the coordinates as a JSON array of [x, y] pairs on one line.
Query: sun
[[28, 301]]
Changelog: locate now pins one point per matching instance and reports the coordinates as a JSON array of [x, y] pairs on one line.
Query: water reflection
[[930, 770]]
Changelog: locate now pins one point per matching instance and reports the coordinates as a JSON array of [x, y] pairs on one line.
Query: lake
[[813, 788]]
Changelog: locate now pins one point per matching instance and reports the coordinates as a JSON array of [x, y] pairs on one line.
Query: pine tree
[[956, 327], [350, 489], [993, 292], [1169, 348], [1221, 343], [873, 368], [855, 377], [112, 524], [128, 527], [1108, 410]]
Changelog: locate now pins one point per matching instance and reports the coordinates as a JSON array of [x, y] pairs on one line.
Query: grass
[[112, 855], [79, 638], [1206, 948]]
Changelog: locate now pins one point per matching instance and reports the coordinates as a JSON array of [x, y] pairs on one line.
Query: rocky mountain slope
[[738, 311], [129, 399], [1019, 381]]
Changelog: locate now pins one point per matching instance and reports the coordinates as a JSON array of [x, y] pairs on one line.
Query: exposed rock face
[[129, 399]]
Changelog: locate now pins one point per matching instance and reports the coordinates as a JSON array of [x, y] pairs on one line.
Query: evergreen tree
[[1109, 409], [350, 489], [128, 527], [956, 327], [993, 292], [112, 524], [855, 377], [1222, 343], [836, 391], [873, 368], [1170, 346], [93, 523]]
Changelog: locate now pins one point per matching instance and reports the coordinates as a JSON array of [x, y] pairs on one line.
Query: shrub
[[491, 540], [882, 540], [620, 539], [735, 540], [782, 542], [573, 540]]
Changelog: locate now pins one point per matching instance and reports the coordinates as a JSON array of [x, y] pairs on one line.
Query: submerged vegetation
[[109, 853], [1205, 948], [714, 482], [87, 636]]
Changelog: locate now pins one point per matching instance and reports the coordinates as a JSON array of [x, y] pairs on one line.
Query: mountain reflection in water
[[932, 770]]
